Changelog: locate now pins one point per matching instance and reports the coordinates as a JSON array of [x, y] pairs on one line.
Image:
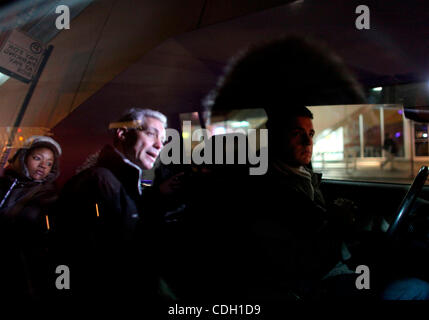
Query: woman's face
[[39, 163]]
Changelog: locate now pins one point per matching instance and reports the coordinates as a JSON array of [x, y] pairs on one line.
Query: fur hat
[[283, 74]]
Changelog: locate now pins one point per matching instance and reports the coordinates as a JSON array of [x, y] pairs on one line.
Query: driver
[[301, 253]]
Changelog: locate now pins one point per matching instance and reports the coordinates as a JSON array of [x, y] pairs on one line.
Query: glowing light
[[3, 78], [397, 134], [369, 163], [239, 124], [21, 138], [96, 209], [378, 89], [219, 130], [400, 111], [425, 135], [185, 135], [47, 222], [19, 130]]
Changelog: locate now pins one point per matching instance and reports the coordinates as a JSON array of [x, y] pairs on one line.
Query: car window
[[350, 140], [372, 142], [223, 122]]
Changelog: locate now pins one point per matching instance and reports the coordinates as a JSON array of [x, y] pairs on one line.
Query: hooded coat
[[24, 205]]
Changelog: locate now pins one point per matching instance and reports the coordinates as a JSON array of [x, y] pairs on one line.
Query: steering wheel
[[409, 199]]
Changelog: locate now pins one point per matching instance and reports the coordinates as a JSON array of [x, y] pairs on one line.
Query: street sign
[[20, 56]]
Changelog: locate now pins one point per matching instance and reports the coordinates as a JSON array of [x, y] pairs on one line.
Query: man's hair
[[284, 74], [137, 115], [277, 126], [283, 123], [135, 118]]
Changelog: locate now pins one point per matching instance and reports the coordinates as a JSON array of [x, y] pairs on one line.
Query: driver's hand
[[172, 184], [344, 213]]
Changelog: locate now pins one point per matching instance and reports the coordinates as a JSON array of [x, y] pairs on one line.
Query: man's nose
[[158, 143], [307, 139]]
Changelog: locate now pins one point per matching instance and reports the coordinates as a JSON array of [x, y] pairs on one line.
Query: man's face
[[299, 142], [146, 144]]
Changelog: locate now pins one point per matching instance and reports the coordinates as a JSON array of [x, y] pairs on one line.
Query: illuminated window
[[348, 143]]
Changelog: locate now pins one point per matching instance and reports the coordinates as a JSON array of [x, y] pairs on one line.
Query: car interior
[[168, 55]]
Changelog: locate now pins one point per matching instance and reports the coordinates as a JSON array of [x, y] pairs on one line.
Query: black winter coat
[[24, 221], [99, 224], [298, 242], [252, 237]]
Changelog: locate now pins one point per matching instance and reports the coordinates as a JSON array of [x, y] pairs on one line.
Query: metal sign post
[[24, 106]]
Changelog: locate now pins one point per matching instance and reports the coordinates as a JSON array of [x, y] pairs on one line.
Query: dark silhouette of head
[[282, 74]]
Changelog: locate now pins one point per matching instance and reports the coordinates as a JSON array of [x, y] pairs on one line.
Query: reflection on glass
[[195, 124], [372, 134], [349, 140], [349, 143], [393, 124], [352, 137], [223, 122], [421, 139], [232, 120]]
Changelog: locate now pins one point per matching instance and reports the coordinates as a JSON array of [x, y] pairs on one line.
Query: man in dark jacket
[[296, 238], [313, 232], [100, 214], [297, 241]]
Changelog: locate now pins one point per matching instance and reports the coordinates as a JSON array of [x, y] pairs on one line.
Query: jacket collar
[[125, 171], [302, 180]]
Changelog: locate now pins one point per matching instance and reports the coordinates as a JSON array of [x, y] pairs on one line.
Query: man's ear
[[121, 133]]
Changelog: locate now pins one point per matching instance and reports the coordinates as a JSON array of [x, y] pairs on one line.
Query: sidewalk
[[369, 170]]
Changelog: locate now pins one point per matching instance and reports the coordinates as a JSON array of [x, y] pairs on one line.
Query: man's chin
[[306, 163], [147, 165]]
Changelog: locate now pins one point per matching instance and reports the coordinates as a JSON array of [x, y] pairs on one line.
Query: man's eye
[[49, 164], [36, 158], [150, 133]]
